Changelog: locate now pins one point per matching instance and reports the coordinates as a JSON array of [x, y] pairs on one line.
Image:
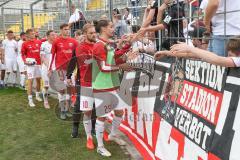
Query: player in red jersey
[[83, 60], [106, 83], [62, 50], [31, 57]]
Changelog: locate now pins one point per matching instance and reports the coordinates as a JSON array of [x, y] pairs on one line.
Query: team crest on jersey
[[37, 45]]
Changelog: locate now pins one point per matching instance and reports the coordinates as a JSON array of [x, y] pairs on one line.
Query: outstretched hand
[[132, 54], [125, 67], [181, 49], [160, 54], [141, 32]]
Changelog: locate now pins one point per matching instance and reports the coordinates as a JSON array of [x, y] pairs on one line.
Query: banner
[[200, 122], [93, 5]]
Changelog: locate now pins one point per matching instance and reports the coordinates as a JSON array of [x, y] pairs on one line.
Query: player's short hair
[[49, 32], [10, 31], [86, 27], [102, 23], [22, 33], [234, 44], [63, 25], [28, 31]]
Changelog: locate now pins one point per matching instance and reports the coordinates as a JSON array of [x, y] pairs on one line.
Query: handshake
[[181, 50]]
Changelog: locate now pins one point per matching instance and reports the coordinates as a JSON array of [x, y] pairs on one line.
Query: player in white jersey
[[2, 66], [10, 55], [21, 65], [46, 54]]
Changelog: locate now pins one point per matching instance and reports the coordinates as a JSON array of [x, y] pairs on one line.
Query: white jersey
[[10, 48], [46, 48], [21, 65], [19, 44]]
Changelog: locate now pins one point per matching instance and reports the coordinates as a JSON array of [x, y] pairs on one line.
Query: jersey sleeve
[[3, 44], [83, 53], [76, 44], [42, 49], [24, 52], [53, 51], [43, 40], [15, 45], [119, 53], [99, 52], [100, 55]]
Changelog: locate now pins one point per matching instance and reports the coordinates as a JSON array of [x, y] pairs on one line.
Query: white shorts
[[2, 66], [45, 77], [11, 65], [34, 71], [106, 102], [21, 66], [86, 99]]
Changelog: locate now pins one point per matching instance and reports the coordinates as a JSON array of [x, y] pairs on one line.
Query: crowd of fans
[[99, 49]]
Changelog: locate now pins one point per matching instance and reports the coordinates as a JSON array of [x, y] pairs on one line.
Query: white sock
[[22, 79], [37, 94], [99, 132], [45, 95], [87, 122], [61, 99], [14, 78], [6, 78], [30, 98], [68, 102], [115, 124]]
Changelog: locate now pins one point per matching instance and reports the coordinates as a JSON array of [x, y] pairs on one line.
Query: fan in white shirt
[[10, 54], [2, 66]]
